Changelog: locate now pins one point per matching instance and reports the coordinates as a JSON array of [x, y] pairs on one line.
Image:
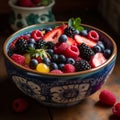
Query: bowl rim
[[113, 56], [10, 2]]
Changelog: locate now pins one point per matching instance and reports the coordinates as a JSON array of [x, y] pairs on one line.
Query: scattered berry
[[107, 97], [116, 109], [19, 105]]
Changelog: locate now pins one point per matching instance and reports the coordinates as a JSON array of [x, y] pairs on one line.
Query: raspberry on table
[[19, 105], [116, 109], [107, 97]]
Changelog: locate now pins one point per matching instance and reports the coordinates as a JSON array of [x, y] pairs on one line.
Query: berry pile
[[63, 49], [32, 3]]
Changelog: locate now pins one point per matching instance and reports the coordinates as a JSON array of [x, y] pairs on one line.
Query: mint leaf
[[75, 23]]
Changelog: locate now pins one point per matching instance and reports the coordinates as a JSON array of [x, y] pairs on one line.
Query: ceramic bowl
[[25, 16], [59, 89]]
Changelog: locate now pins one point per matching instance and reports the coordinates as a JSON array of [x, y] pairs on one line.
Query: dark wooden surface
[[89, 109]]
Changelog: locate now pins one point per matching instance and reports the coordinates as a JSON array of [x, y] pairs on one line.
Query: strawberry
[[97, 60], [37, 35], [80, 39], [20, 59], [26, 3], [71, 41], [53, 35]]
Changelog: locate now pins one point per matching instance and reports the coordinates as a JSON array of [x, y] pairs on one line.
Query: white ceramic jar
[[25, 16]]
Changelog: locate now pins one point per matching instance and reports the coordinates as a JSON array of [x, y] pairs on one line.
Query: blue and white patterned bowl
[[59, 90], [25, 16]]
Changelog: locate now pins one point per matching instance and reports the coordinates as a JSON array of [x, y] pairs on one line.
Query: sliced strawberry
[[53, 35], [80, 39], [97, 60], [71, 41]]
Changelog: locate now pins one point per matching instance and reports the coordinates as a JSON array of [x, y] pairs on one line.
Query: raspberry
[[107, 97], [19, 105], [56, 71], [72, 51], [60, 48], [36, 34], [18, 58], [68, 68], [93, 35], [25, 3], [36, 1], [116, 109]]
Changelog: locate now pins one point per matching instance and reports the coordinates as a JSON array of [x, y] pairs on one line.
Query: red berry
[[68, 68], [20, 59], [25, 3], [93, 35], [107, 97], [116, 109], [80, 39], [97, 60], [36, 1], [60, 48], [72, 51], [56, 71], [53, 35], [19, 105], [37, 35]]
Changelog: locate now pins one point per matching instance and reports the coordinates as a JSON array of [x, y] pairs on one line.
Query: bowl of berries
[[29, 12], [59, 63]]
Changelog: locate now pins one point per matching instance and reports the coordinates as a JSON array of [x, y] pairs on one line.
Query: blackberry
[[70, 31], [85, 51], [41, 44], [50, 45], [21, 46], [81, 65]]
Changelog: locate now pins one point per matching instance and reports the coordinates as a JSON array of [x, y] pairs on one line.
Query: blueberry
[[33, 63], [61, 59], [50, 52], [62, 38], [46, 60], [84, 32], [55, 57], [107, 53], [76, 32], [70, 61], [61, 65], [31, 40], [53, 66], [31, 45], [47, 29], [100, 43], [97, 48]]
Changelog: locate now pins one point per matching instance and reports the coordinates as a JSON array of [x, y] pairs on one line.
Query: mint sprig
[[76, 23]]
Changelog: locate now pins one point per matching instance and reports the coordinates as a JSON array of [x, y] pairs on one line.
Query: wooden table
[[89, 109]]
